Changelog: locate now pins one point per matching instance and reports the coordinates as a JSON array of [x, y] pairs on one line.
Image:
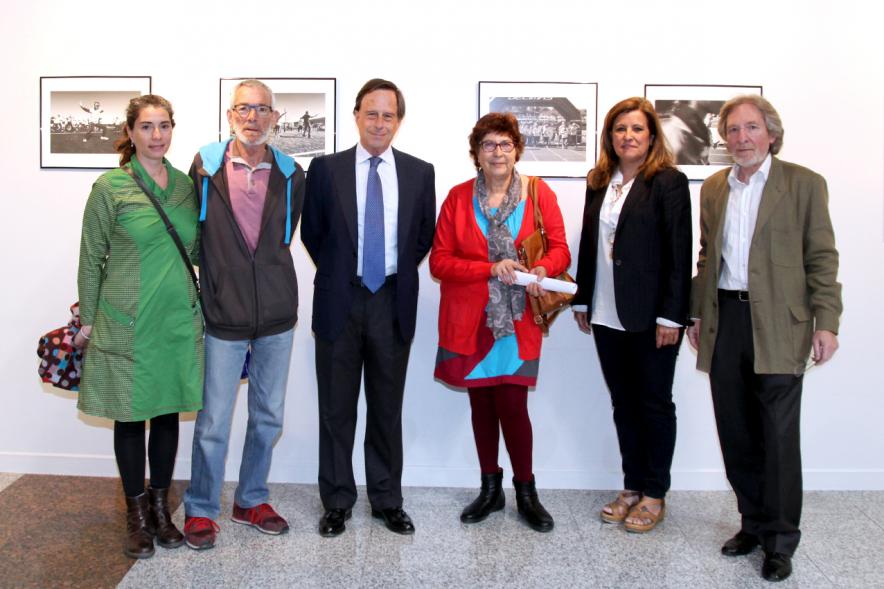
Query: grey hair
[[252, 83], [772, 119]]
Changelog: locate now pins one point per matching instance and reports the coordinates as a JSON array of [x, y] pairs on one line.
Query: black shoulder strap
[[169, 228]]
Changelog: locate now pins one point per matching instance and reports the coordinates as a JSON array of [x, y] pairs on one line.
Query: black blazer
[[329, 232], [652, 251]]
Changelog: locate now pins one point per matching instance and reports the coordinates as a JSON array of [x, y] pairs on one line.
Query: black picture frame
[[82, 116], [291, 135], [689, 117], [558, 121]]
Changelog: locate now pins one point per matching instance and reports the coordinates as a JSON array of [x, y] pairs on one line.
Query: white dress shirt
[[604, 304], [739, 226], [390, 188]]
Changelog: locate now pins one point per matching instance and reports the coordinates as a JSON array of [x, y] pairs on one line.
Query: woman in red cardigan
[[488, 342]]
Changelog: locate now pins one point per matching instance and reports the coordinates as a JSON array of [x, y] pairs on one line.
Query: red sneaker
[[199, 532], [262, 517]]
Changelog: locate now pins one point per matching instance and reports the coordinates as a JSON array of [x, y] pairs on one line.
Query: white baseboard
[[433, 476]]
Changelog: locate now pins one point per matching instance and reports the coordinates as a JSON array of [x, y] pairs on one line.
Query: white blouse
[[604, 307]]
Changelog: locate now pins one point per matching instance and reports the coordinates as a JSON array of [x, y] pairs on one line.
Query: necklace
[[618, 192]]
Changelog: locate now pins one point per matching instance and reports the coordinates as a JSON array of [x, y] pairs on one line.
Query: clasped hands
[[505, 271]]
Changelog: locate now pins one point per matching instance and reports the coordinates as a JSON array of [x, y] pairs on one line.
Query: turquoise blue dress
[[495, 362]]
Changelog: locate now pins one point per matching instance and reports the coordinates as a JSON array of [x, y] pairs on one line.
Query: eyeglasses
[[243, 110], [750, 128], [490, 146]]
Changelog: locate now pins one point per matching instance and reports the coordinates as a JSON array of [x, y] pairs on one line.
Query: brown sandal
[[647, 518], [620, 507]]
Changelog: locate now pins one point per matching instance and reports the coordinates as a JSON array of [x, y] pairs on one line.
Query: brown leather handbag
[[547, 307]]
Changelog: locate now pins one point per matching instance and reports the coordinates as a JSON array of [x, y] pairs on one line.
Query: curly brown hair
[[502, 123]]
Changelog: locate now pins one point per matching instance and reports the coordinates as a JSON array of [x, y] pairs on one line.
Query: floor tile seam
[[808, 558], [877, 523], [585, 544], [695, 551], [706, 564]]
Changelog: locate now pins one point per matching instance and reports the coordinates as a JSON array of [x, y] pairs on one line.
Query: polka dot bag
[[60, 361]]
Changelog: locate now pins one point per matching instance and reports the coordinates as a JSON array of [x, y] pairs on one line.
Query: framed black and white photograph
[[82, 116], [557, 120], [307, 124], [689, 117]]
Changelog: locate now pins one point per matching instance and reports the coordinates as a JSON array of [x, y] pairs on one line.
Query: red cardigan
[[460, 261]]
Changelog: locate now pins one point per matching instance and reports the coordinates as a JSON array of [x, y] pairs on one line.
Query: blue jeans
[[268, 373]]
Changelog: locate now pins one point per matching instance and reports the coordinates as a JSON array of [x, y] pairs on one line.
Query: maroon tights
[[503, 407]]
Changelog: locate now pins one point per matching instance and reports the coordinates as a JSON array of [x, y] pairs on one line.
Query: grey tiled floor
[[842, 546]]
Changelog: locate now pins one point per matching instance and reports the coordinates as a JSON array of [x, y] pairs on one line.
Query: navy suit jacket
[[329, 232], [652, 251]]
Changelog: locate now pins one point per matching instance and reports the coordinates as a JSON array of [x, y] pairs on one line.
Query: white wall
[[820, 64]]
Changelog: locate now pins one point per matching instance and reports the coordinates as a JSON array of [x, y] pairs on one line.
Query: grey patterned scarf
[[505, 303]]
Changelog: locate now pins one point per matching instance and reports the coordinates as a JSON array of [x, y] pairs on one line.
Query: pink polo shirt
[[248, 191]]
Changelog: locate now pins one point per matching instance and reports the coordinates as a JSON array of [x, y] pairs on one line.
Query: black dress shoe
[[332, 522], [741, 544], [395, 519], [776, 567]]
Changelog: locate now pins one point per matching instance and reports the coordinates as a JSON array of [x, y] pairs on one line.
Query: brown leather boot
[[139, 535], [168, 536]]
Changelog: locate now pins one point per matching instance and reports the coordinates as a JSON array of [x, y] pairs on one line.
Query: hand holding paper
[[552, 284]]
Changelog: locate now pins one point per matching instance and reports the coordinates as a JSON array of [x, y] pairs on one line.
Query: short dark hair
[[502, 123], [381, 84]]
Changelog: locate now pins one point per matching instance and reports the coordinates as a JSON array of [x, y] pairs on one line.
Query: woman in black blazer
[[634, 279]]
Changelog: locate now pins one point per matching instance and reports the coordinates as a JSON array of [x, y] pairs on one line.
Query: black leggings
[[162, 447]]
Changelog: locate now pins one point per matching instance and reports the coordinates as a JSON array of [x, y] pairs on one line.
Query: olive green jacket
[[793, 268]]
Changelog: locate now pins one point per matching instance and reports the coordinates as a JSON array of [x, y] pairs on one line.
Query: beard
[[237, 130], [753, 159]]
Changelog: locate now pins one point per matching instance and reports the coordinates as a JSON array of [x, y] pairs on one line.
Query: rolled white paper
[[553, 284]]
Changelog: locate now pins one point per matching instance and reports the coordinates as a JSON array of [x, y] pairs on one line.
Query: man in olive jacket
[[764, 297]]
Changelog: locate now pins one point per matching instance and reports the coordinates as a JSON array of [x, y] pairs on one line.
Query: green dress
[[145, 355]]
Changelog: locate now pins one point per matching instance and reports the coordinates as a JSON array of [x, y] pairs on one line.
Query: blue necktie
[[373, 267]]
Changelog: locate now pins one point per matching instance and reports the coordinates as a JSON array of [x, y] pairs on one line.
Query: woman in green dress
[[141, 318]]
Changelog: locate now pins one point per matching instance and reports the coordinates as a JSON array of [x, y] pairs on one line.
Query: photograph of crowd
[[80, 119], [559, 139], [306, 125], [86, 122], [554, 129], [689, 119]]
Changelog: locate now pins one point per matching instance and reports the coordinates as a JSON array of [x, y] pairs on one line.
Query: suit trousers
[[639, 377], [371, 342], [758, 418]]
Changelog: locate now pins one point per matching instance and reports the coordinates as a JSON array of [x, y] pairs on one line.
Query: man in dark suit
[[368, 222], [767, 295]]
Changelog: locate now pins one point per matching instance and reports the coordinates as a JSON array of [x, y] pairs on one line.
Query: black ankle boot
[[139, 532], [490, 499], [530, 508], [168, 536]]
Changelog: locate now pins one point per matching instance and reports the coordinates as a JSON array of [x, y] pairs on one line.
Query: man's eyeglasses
[[243, 110], [490, 146]]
